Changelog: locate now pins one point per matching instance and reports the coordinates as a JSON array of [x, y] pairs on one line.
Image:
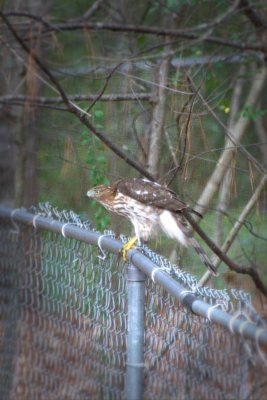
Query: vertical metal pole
[[134, 382]]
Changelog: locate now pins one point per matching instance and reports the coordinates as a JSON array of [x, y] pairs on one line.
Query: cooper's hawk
[[150, 207]]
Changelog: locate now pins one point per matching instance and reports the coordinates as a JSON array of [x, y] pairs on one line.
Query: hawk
[[150, 207]]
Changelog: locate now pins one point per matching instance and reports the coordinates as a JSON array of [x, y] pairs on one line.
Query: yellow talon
[[128, 246]]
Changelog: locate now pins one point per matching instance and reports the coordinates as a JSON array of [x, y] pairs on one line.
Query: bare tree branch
[[236, 228], [246, 270], [35, 17], [40, 100], [156, 31], [97, 26]]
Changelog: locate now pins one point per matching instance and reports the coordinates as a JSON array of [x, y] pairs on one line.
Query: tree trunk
[[157, 123], [19, 129], [9, 124], [225, 189]]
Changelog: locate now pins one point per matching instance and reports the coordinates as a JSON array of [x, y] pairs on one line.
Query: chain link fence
[[64, 318]]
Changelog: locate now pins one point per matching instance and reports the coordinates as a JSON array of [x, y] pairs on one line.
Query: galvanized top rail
[[233, 323]]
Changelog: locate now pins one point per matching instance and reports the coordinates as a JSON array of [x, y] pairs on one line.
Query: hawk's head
[[104, 194], [98, 192]]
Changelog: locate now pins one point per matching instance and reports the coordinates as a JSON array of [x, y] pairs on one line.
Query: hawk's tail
[[177, 228], [202, 254]]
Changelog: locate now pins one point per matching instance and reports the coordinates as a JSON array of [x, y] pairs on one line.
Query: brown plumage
[[150, 207]]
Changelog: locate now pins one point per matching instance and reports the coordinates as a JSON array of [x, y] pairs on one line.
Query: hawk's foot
[[128, 246]]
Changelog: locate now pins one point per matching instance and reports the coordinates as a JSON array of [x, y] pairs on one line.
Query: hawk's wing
[[150, 193]]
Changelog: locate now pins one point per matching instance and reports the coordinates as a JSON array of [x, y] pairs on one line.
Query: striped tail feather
[[178, 228], [202, 254]]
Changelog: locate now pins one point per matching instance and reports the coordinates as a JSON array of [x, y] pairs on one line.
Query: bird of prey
[[150, 207]]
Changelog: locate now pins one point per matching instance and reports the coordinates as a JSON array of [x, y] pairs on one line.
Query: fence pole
[[134, 382]]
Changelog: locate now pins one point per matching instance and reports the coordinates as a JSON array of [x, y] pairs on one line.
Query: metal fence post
[[134, 381]]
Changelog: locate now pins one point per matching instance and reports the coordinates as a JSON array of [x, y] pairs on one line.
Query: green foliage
[[97, 163], [252, 113], [141, 40]]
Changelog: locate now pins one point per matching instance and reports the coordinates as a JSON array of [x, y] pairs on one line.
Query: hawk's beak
[[90, 193]]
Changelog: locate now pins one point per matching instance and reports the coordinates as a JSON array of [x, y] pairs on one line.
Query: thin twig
[[92, 10], [236, 228], [228, 133], [176, 169]]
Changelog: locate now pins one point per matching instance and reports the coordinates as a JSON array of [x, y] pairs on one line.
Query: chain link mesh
[[63, 326]]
